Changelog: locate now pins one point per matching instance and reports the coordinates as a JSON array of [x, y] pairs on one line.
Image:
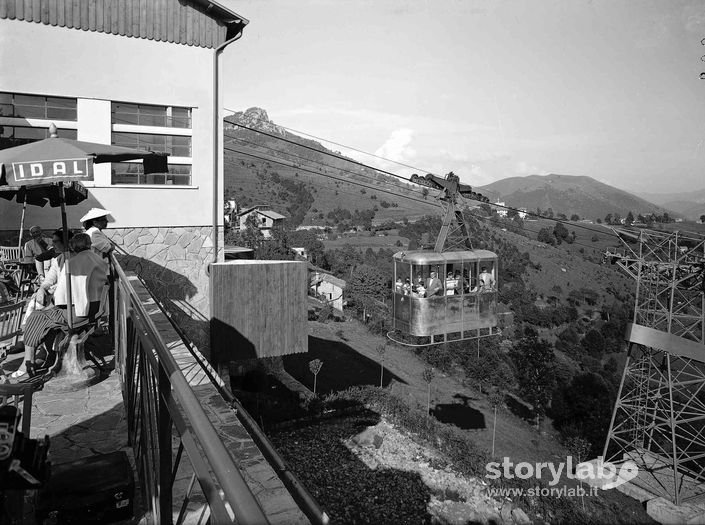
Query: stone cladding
[[173, 262]]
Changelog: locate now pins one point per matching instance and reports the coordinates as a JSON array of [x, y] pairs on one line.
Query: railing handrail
[[299, 492], [242, 502], [303, 497]]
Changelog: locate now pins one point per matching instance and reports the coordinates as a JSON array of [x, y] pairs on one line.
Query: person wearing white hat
[[94, 222]]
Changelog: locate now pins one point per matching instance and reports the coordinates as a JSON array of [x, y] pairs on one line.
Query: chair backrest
[[10, 253], [10, 394], [10, 322]]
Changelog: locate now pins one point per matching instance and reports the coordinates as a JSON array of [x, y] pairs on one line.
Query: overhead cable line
[[282, 163], [339, 157], [411, 187], [311, 171], [340, 145]]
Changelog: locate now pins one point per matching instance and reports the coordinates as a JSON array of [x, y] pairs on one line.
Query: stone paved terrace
[[93, 421]]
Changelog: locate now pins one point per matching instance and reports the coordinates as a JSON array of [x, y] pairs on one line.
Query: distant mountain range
[[570, 195], [690, 205], [262, 165]]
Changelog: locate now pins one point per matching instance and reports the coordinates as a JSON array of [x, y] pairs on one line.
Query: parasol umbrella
[[52, 169]]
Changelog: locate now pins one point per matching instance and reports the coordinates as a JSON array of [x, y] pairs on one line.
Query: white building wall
[[99, 68], [164, 232]]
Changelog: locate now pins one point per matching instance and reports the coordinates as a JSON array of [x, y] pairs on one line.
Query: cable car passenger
[[434, 286], [418, 290], [451, 284], [486, 280], [460, 283]]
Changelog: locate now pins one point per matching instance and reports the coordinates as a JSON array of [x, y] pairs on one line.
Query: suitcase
[[97, 489]]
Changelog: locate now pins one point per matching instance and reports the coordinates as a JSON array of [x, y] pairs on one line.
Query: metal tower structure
[[658, 419]]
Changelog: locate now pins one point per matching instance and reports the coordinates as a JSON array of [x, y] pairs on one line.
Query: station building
[[136, 74]]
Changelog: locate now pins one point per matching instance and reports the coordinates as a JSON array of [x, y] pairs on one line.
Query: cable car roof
[[430, 257]]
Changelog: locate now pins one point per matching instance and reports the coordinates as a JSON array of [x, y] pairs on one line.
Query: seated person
[[55, 257], [398, 285], [407, 286], [89, 274], [4, 295], [37, 245]]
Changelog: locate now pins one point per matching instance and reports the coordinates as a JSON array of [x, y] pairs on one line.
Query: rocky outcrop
[[455, 499], [255, 118]]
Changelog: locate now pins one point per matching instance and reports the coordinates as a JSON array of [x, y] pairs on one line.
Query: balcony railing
[[158, 400]]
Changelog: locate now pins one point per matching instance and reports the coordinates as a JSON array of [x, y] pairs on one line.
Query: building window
[[11, 136], [147, 115], [133, 173], [152, 128], [175, 145], [37, 106]]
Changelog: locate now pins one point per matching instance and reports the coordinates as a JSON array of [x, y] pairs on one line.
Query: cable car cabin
[[459, 303]]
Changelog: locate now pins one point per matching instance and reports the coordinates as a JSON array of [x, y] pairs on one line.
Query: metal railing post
[[165, 479]]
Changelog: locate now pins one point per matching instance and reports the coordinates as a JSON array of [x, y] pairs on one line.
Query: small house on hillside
[[265, 218], [499, 207], [326, 286], [300, 252]]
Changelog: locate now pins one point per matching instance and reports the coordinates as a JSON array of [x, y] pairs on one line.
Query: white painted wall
[[99, 68]]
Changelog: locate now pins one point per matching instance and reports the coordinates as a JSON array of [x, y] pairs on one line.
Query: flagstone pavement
[[80, 424]]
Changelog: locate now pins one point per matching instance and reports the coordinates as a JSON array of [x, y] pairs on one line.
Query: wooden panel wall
[[258, 309], [179, 21]]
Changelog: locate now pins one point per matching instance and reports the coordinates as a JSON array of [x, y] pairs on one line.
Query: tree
[[535, 364], [308, 240], [424, 192], [367, 284], [488, 369], [251, 236], [560, 232], [584, 409], [428, 375], [630, 219], [575, 217], [545, 236], [381, 350], [496, 400], [594, 344], [315, 367], [608, 218], [702, 219]]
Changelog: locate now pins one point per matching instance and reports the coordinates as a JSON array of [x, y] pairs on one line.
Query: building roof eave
[[222, 13]]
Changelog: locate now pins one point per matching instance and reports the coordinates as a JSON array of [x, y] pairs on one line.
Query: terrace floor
[[80, 424]]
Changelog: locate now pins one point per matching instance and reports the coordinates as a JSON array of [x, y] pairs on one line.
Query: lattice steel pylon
[[658, 419]]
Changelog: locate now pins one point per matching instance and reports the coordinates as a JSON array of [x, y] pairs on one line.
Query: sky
[[487, 89]]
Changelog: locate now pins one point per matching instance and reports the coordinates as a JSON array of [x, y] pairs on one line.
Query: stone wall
[[173, 262]]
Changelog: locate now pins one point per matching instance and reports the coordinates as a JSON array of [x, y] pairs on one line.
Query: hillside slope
[[300, 178], [568, 194]]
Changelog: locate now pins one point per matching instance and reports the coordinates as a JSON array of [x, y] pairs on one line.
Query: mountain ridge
[[569, 194]]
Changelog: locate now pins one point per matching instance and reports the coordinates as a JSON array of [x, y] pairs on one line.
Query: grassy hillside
[[264, 167]]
